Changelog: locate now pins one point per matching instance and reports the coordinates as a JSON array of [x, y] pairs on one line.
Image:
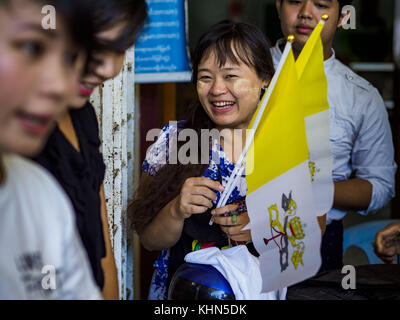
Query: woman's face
[[37, 75], [105, 65], [229, 94]]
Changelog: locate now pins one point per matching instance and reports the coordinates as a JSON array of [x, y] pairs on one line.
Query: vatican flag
[[291, 160], [314, 91]]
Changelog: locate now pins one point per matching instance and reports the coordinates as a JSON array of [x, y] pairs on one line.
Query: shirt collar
[[277, 54]]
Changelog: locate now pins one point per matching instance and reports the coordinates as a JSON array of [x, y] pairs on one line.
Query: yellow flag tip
[[290, 38], [325, 17]]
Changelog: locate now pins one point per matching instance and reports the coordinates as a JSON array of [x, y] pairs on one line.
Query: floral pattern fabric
[[220, 168]]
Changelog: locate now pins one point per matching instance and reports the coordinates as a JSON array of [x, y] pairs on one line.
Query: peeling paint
[[114, 106], [115, 173], [115, 127]]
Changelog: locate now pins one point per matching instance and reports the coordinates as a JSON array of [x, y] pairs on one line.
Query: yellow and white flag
[[314, 91], [292, 160]]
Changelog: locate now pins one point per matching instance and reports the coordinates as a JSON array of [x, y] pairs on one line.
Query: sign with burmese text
[[161, 45]]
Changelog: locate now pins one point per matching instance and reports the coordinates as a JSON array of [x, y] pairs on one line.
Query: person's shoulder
[[36, 185], [349, 78], [352, 95], [173, 126], [157, 154], [18, 167], [169, 131], [276, 52]]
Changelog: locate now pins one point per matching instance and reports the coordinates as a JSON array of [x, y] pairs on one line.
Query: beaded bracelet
[[241, 203]]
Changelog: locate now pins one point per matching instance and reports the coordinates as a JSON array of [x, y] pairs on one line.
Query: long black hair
[[230, 41]]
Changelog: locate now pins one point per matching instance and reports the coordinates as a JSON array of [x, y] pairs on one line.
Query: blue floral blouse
[[156, 158]]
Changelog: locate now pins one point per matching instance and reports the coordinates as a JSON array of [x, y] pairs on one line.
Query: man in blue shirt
[[361, 139]]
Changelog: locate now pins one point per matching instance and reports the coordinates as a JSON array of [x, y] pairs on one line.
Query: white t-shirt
[[41, 256]]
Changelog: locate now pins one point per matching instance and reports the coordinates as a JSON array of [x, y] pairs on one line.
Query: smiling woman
[[231, 66], [230, 94], [104, 64]]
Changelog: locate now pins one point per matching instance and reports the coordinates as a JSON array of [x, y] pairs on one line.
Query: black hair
[[76, 16], [232, 41], [108, 13], [86, 18], [229, 41]]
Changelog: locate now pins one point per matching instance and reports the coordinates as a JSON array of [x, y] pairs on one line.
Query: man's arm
[[372, 159], [353, 194]]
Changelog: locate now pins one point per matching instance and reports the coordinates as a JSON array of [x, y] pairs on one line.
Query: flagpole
[[239, 167]]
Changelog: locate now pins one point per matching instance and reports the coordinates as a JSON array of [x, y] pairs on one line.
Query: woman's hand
[[196, 197], [232, 225]]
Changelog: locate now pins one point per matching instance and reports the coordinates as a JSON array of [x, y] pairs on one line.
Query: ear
[[344, 17], [278, 4]]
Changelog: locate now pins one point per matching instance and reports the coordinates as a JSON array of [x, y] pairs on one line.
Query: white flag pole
[[239, 167]]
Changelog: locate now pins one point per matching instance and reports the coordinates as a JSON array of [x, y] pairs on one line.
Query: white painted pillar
[[115, 109]]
